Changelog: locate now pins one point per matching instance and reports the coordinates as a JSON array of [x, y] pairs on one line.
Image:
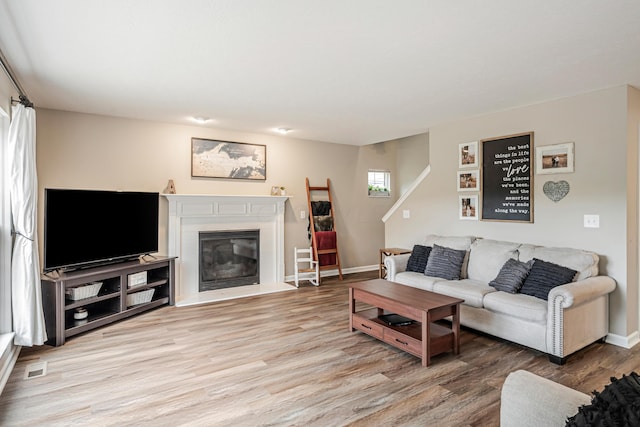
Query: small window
[[379, 183]]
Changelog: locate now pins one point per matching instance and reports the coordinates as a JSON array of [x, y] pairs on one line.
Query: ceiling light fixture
[[283, 131], [201, 120]]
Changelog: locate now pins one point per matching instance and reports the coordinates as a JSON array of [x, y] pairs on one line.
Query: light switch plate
[[592, 221], [406, 214]]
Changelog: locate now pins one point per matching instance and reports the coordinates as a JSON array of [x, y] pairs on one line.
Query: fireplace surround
[[191, 214]]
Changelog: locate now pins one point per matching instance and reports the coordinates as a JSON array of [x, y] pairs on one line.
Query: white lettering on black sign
[[507, 178]]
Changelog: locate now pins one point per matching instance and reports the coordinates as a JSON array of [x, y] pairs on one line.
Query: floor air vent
[[35, 370]]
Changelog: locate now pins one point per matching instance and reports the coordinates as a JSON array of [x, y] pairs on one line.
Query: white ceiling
[[350, 72]]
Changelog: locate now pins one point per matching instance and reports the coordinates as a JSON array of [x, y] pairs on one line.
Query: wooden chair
[[306, 268]]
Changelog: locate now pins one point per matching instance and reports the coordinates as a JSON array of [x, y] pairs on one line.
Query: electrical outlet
[[302, 215], [592, 221]]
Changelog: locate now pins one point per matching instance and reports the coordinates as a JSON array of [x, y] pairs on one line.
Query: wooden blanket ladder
[[321, 253]]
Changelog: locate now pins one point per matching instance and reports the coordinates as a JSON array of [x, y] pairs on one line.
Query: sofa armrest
[[528, 400], [395, 264], [576, 293], [577, 315]]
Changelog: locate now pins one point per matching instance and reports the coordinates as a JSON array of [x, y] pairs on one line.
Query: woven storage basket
[[140, 297], [82, 292]]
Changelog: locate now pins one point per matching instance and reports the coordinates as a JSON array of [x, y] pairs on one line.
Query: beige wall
[[97, 152], [604, 183], [412, 157]]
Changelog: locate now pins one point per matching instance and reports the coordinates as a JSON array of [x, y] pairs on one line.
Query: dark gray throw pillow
[[445, 263], [418, 259], [511, 276], [545, 276]]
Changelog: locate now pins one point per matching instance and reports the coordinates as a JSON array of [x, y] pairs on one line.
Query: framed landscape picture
[[225, 159], [554, 158]]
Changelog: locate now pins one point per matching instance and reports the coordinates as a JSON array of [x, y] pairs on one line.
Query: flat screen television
[[83, 228]]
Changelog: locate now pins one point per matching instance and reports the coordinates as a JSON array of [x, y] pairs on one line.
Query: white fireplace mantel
[[189, 214]]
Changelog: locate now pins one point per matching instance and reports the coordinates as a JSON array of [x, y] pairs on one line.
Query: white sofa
[[574, 316]]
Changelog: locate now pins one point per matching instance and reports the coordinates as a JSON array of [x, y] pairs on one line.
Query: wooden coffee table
[[422, 338]]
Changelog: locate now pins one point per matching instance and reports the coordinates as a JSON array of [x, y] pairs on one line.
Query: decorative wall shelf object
[[556, 191]]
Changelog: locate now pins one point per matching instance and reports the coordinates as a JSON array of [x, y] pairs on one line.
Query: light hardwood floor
[[280, 359]]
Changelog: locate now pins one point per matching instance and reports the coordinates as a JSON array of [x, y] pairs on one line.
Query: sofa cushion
[[471, 291], [584, 262], [453, 242], [545, 276], [521, 306], [416, 280], [511, 276], [418, 259], [487, 257], [445, 262]]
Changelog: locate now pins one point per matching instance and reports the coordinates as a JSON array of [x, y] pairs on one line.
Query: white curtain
[[28, 318]]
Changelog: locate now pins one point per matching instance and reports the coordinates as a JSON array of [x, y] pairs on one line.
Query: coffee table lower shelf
[[407, 338]]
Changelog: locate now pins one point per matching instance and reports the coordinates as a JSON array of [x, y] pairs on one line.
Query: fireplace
[[228, 259], [191, 214]]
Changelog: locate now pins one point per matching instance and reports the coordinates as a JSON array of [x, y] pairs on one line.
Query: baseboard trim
[[10, 353], [621, 341], [330, 273]]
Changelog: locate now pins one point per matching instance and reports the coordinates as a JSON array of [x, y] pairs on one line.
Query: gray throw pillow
[[418, 259], [445, 263], [545, 276], [511, 276]]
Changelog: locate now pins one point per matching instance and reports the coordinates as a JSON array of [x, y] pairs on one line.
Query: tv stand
[[114, 300]]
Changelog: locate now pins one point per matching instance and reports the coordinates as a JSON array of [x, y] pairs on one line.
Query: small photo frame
[[556, 158], [468, 180], [468, 207], [468, 155], [275, 190]]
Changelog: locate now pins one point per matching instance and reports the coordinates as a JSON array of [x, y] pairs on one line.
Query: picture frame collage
[[468, 181], [549, 159]]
